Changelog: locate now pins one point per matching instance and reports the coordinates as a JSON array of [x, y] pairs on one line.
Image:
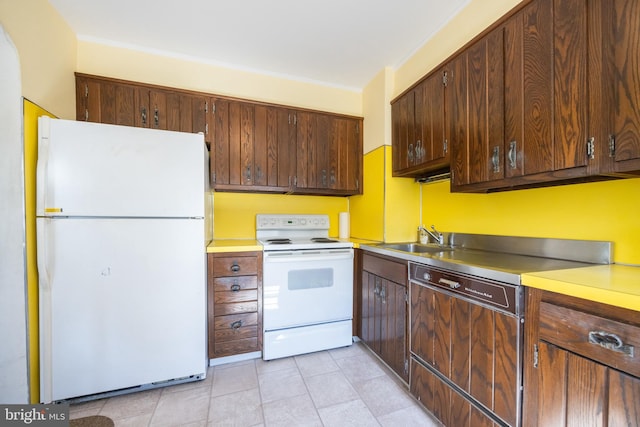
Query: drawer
[[382, 267], [235, 283], [235, 266], [235, 308], [233, 322], [607, 341], [229, 334], [229, 348], [231, 297]]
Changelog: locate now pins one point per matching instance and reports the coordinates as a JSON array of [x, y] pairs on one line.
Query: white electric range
[[307, 285]]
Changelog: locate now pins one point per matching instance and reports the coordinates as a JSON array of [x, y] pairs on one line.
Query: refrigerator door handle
[[44, 297], [44, 124]]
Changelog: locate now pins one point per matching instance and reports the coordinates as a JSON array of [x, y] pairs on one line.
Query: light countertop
[[234, 245], [614, 284], [249, 245]]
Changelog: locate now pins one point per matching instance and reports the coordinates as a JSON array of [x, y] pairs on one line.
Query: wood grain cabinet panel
[[234, 303], [581, 365], [384, 311], [473, 347], [419, 134], [254, 147]]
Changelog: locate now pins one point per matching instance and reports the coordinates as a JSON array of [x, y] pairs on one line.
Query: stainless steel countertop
[[505, 266]]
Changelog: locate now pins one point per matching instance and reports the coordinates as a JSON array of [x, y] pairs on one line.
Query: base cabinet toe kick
[[466, 343]]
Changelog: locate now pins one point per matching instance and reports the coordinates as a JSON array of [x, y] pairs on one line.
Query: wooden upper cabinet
[[622, 55], [253, 146], [475, 86], [419, 140], [105, 102], [328, 154]]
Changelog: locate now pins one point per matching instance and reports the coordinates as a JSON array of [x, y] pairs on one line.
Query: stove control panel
[[291, 222]]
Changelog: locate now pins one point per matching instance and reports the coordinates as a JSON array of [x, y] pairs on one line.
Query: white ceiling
[[342, 43]]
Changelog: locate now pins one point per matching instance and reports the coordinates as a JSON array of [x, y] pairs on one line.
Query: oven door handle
[[273, 257]]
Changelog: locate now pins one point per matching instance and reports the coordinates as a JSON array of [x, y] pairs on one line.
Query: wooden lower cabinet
[[443, 402], [234, 303], [384, 311], [581, 366]]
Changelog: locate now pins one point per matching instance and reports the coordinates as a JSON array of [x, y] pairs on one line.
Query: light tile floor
[[342, 387]]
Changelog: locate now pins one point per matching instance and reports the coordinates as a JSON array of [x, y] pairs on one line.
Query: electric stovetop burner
[[284, 232], [279, 241], [322, 240]]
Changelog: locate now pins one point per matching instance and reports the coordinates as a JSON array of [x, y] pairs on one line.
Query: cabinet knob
[[235, 267], [236, 325]]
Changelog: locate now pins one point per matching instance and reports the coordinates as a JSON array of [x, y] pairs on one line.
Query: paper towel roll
[[344, 225]]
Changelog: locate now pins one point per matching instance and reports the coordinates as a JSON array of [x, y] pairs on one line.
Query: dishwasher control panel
[[500, 296]]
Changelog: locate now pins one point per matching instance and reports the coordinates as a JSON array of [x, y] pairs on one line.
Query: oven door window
[[310, 279]]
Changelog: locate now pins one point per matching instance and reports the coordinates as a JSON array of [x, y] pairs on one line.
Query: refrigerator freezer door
[[123, 303], [92, 169]]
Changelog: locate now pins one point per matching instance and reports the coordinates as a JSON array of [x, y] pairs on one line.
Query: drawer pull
[[235, 287], [611, 342], [236, 325], [235, 267], [450, 283]]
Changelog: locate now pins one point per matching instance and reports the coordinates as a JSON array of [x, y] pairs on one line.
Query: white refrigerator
[[122, 225]]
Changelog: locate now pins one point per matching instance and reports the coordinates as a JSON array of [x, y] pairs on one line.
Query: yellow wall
[[367, 210], [47, 49], [593, 211], [235, 213], [185, 73], [474, 18]]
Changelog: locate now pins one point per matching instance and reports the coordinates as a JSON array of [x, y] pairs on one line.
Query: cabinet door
[[457, 123], [328, 155], [570, 84], [576, 391], [529, 90], [274, 147], [371, 311], [393, 325], [403, 137], [480, 155], [104, 101], [233, 143], [430, 122], [626, 78]]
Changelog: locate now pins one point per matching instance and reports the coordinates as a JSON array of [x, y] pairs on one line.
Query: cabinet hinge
[[406, 297], [612, 145], [206, 128], [535, 355], [295, 120], [445, 146], [213, 108], [206, 107], [591, 148], [445, 78], [406, 366], [86, 91], [357, 184], [213, 177], [86, 115]]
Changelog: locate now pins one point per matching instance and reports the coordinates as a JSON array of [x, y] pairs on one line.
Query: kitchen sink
[[415, 247]]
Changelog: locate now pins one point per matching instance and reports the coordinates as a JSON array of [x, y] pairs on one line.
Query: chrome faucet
[[435, 234]]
